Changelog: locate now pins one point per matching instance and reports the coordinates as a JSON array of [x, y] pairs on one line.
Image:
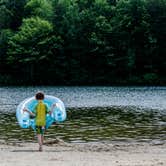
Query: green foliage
[[5, 15], [157, 48], [12, 12], [131, 29], [150, 78], [24, 45], [40, 8], [5, 35], [83, 41]]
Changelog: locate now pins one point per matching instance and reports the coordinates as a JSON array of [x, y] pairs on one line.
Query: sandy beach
[[88, 154]]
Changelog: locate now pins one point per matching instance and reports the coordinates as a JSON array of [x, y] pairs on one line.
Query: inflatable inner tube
[[25, 120]]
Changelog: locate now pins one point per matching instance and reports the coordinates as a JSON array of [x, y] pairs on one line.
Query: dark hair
[[39, 96]]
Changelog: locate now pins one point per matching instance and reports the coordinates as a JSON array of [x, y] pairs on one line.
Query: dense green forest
[[82, 42]]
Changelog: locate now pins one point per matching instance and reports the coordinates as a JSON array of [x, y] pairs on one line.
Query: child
[[39, 112]]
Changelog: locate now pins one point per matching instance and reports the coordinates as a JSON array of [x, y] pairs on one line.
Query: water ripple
[[93, 124]]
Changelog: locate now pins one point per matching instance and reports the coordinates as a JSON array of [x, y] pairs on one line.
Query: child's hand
[[25, 110], [52, 108], [54, 105]]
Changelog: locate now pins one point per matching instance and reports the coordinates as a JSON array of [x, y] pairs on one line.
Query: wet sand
[[88, 154]]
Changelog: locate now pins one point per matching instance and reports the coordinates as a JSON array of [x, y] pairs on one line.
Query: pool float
[[25, 120]]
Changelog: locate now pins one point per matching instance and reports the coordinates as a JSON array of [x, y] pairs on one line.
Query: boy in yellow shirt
[[40, 111]]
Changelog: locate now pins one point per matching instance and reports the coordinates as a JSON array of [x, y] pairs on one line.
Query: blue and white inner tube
[[25, 120]]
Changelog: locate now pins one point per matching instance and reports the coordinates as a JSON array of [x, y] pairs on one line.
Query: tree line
[[82, 42]]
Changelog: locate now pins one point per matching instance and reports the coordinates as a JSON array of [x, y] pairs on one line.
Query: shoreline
[[83, 154]]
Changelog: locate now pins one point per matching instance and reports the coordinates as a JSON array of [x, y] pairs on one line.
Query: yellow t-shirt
[[41, 109]]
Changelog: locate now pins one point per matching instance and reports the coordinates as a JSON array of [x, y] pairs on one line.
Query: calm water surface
[[94, 113]]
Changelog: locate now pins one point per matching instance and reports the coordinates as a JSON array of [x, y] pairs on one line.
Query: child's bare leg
[[42, 136], [40, 141]]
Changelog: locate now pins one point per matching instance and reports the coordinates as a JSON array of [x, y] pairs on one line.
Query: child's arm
[[25, 110], [52, 108]]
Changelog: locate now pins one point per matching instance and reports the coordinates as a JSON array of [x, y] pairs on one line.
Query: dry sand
[[88, 154]]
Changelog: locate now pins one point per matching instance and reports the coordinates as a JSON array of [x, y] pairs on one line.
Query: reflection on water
[[94, 124], [94, 113]]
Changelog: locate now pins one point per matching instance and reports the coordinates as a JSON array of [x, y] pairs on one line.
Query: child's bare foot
[[40, 149]]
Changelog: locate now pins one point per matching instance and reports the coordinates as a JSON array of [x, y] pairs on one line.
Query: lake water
[[94, 113]]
